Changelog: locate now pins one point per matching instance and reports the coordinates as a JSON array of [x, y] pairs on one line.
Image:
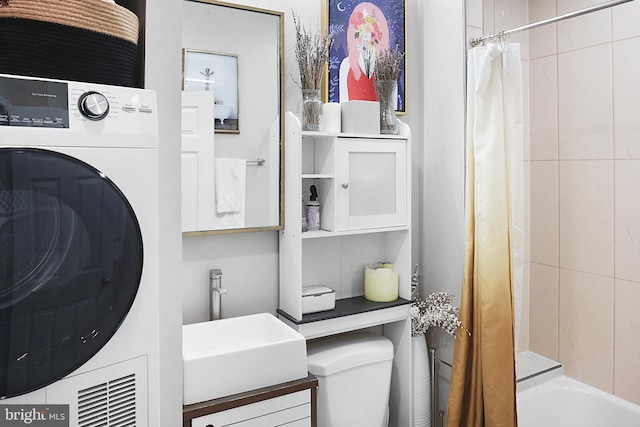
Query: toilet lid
[[336, 354]]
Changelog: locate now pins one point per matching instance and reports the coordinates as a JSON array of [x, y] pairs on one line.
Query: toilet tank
[[354, 377]]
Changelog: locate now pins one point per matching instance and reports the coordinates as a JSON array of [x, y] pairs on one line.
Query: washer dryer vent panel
[[115, 396]]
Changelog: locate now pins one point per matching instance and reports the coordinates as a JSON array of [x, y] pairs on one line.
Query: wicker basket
[[82, 40]]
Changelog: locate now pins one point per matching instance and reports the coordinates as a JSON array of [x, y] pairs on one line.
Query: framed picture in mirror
[[216, 72]]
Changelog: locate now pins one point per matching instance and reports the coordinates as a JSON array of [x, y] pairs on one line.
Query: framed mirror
[[232, 118]]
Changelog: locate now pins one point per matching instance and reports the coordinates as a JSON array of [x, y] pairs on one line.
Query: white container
[[317, 298], [331, 117], [361, 117], [354, 376]]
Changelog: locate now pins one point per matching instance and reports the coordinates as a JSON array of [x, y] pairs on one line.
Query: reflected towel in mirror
[[230, 176]]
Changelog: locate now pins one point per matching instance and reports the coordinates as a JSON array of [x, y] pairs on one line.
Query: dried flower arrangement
[[387, 66], [312, 52], [436, 309], [387, 69]]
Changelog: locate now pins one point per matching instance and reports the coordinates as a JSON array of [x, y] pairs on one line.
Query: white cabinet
[[364, 191], [362, 182], [371, 190]]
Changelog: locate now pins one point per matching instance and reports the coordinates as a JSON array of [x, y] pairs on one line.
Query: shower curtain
[[482, 391]]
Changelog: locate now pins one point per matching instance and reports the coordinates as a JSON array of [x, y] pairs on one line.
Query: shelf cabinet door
[[371, 183]]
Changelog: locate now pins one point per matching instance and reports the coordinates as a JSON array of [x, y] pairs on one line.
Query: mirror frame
[[281, 47]]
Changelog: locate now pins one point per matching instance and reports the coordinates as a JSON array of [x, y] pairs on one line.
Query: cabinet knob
[[345, 185]]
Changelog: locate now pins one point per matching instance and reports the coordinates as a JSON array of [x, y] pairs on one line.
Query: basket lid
[[94, 15]]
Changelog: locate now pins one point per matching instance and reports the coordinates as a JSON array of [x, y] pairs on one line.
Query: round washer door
[[70, 265]]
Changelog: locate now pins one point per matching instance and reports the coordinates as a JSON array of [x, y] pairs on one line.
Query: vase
[[311, 109], [386, 93], [421, 399]]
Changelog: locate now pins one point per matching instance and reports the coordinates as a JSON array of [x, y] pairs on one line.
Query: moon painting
[[359, 29]]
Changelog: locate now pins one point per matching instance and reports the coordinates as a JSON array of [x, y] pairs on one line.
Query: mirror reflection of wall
[[213, 31]]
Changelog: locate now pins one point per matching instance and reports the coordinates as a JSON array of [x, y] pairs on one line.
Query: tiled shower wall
[[585, 193]]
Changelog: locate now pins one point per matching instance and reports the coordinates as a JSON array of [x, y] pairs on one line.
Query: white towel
[[231, 179]]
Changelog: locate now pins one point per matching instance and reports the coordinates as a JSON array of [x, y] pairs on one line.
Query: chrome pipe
[[434, 389]]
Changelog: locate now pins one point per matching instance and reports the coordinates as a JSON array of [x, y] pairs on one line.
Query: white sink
[[234, 355]]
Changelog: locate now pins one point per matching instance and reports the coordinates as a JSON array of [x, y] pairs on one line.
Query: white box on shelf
[[361, 117], [317, 298]]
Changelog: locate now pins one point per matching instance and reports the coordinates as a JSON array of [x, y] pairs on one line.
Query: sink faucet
[[215, 294]]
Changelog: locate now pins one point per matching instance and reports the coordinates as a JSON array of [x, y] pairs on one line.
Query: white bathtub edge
[[537, 379]]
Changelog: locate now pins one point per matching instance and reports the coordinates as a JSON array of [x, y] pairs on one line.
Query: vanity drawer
[[290, 410]]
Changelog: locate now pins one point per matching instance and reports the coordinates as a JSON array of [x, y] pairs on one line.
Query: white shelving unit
[[364, 189]]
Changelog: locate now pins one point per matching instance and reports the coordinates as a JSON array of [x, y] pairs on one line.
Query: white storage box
[[360, 117], [317, 298]]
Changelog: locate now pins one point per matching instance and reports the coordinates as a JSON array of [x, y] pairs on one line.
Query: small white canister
[[317, 298], [381, 282]]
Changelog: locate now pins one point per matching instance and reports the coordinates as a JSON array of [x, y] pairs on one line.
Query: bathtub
[[560, 401]]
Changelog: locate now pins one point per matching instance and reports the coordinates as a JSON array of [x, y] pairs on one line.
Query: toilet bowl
[[354, 378]]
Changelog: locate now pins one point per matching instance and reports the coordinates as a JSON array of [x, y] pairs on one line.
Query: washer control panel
[[58, 104]]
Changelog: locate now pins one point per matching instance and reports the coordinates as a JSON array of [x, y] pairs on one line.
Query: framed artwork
[[360, 29], [217, 72]]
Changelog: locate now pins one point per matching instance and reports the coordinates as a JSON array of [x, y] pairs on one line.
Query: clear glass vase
[[311, 109], [386, 92]]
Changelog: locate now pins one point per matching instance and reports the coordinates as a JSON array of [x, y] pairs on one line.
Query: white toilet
[[354, 376]]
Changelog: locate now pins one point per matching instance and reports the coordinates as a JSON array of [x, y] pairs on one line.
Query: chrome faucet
[[215, 294]]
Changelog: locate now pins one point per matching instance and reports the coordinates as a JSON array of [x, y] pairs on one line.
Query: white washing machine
[[79, 249]]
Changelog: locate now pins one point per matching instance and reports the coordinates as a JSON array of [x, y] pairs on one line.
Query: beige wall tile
[[584, 31], [566, 6], [586, 327], [585, 104], [626, 98], [543, 310], [527, 210], [523, 337], [542, 40], [544, 213], [543, 113], [627, 341], [627, 223], [625, 18], [488, 16], [526, 111], [586, 216]]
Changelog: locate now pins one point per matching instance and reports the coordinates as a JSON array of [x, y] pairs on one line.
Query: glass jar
[[311, 109], [386, 93]]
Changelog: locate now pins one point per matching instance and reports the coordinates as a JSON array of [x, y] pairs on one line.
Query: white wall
[[163, 74], [442, 182]]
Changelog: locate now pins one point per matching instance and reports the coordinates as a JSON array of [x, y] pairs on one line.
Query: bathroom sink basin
[[234, 355]]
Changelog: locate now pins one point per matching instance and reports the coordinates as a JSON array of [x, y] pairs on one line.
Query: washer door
[[70, 265]]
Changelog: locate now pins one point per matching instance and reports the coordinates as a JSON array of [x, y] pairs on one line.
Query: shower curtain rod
[[477, 40]]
